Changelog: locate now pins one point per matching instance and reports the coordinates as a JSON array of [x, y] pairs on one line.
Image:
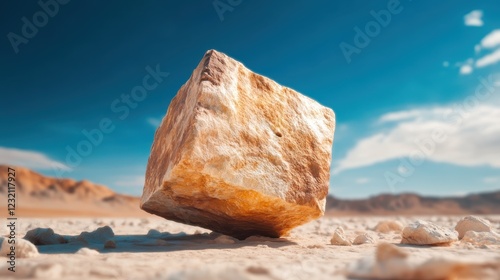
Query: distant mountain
[[38, 195], [413, 204]]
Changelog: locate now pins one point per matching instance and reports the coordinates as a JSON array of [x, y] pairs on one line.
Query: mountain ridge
[[43, 194]]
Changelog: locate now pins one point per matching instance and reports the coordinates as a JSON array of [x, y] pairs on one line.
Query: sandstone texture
[[425, 233], [471, 223], [239, 154]]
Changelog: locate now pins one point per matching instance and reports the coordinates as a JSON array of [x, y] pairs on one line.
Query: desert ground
[[154, 248]]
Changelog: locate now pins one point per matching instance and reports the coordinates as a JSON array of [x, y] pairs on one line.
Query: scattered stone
[[110, 244], [239, 154], [339, 238], [258, 270], [154, 232], [472, 223], [389, 226], [24, 248], [481, 238], [224, 239], [99, 235], [87, 252], [424, 233], [44, 236], [391, 262], [386, 251], [364, 238]]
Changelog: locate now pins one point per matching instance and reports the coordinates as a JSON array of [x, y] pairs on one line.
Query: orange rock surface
[[239, 154]]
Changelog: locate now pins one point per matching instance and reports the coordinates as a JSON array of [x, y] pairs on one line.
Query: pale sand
[[305, 254]]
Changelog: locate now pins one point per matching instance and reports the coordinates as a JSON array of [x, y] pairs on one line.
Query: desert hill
[[413, 204], [39, 195]]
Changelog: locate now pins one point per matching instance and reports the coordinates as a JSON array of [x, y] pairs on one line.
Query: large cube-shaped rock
[[239, 154]]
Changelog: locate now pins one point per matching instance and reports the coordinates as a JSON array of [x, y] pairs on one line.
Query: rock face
[[424, 233], [239, 154], [472, 223]]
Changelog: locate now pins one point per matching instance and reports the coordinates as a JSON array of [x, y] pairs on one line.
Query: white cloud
[[474, 18], [154, 122], [471, 138], [489, 59], [446, 64], [362, 180], [29, 159], [466, 69], [491, 180], [398, 116], [492, 40]]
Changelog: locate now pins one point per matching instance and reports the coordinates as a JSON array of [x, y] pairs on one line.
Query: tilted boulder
[[239, 154]]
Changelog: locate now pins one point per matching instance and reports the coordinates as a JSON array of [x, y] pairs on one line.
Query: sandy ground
[[153, 248]]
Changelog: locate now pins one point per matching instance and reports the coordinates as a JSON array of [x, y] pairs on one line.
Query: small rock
[[224, 239], [386, 251], [44, 236], [392, 262], [87, 252], [24, 248], [364, 238], [472, 223], [388, 226], [424, 233], [258, 270], [154, 232], [339, 238], [481, 238], [110, 244], [99, 235]]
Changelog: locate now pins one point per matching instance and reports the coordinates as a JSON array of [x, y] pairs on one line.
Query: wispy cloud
[[489, 42], [155, 122], [492, 40], [474, 18], [473, 143], [30, 159]]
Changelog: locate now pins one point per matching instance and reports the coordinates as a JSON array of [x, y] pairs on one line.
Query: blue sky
[[395, 90]]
